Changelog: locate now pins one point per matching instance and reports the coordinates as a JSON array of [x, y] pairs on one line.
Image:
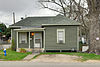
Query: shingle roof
[[38, 21]]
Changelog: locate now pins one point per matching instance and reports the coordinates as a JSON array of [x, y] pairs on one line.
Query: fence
[[4, 42]]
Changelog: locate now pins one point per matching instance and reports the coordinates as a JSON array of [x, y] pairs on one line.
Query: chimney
[[13, 17]]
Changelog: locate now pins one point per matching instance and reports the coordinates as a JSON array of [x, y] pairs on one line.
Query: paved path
[[29, 57], [34, 64]]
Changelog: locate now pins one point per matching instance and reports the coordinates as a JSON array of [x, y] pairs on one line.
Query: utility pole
[[13, 17]]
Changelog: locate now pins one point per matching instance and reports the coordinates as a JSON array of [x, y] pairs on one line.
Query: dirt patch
[[56, 58]]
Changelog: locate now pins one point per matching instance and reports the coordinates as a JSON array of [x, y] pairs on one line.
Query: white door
[[38, 40], [37, 45]]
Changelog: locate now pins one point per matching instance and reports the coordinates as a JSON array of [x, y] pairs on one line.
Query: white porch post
[[11, 36], [44, 39], [29, 40], [17, 41], [34, 39]]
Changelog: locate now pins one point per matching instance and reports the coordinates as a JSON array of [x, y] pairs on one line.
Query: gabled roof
[[51, 20]]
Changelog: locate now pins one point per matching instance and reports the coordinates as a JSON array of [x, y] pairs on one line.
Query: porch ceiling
[[29, 29]]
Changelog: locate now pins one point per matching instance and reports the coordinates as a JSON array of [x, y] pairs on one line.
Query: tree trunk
[[94, 28], [94, 33]]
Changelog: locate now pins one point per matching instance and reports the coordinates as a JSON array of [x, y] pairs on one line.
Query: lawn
[[85, 56], [13, 55]]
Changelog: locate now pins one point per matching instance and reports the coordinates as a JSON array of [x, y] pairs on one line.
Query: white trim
[[11, 36], [60, 24], [15, 26], [34, 38], [41, 41], [63, 34], [44, 40], [30, 29], [17, 40], [29, 40]]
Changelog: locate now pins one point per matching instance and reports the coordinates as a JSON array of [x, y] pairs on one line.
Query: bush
[[22, 50], [13, 47]]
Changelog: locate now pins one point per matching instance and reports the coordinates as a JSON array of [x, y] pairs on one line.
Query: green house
[[56, 33]]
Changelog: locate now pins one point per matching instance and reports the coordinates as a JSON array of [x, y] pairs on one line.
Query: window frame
[[23, 37], [63, 35]]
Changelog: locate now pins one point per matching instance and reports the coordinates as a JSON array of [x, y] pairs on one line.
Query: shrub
[[22, 50]]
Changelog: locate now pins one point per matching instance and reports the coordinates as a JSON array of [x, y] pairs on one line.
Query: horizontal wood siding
[[14, 37], [70, 38]]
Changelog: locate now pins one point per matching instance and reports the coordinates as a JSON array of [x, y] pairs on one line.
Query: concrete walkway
[[29, 57]]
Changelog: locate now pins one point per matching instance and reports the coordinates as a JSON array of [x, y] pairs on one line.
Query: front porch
[[31, 39]]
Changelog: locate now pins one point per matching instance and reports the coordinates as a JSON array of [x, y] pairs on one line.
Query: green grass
[[13, 55], [85, 56]]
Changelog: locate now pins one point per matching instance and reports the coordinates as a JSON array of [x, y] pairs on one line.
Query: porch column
[[11, 36], [29, 40], [17, 41], [44, 39]]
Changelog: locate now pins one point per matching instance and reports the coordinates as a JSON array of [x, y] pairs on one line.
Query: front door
[[37, 40], [37, 43]]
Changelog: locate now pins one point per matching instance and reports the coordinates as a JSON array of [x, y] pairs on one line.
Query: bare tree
[[88, 16]]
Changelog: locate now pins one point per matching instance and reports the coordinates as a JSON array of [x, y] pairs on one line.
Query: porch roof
[[29, 29]]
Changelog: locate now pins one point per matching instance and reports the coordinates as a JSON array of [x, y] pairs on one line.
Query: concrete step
[[36, 50]]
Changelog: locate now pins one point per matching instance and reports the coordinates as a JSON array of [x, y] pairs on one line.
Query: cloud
[[15, 5], [21, 8]]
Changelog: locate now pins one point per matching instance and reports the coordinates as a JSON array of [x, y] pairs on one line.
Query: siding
[[51, 38], [14, 37]]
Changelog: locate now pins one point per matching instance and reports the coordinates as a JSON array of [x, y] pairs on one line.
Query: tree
[[94, 19], [72, 9], [2, 27], [4, 30], [88, 16], [8, 33]]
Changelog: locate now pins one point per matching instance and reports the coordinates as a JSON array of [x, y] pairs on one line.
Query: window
[[60, 35], [23, 37]]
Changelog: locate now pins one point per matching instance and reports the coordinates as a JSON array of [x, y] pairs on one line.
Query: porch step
[[36, 50]]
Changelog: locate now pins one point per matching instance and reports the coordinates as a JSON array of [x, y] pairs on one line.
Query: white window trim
[[63, 34]]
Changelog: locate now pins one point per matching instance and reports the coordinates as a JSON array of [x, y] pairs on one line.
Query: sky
[[21, 8]]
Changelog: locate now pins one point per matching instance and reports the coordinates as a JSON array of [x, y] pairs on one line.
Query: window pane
[[60, 35], [23, 37]]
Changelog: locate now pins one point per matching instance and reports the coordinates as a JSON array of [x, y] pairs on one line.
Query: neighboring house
[[46, 33]]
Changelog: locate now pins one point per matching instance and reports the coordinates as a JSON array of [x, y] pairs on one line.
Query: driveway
[[56, 58]]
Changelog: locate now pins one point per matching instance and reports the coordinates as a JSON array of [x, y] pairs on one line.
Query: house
[[46, 33]]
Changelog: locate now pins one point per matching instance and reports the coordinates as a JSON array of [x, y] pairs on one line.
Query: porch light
[[32, 34]]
